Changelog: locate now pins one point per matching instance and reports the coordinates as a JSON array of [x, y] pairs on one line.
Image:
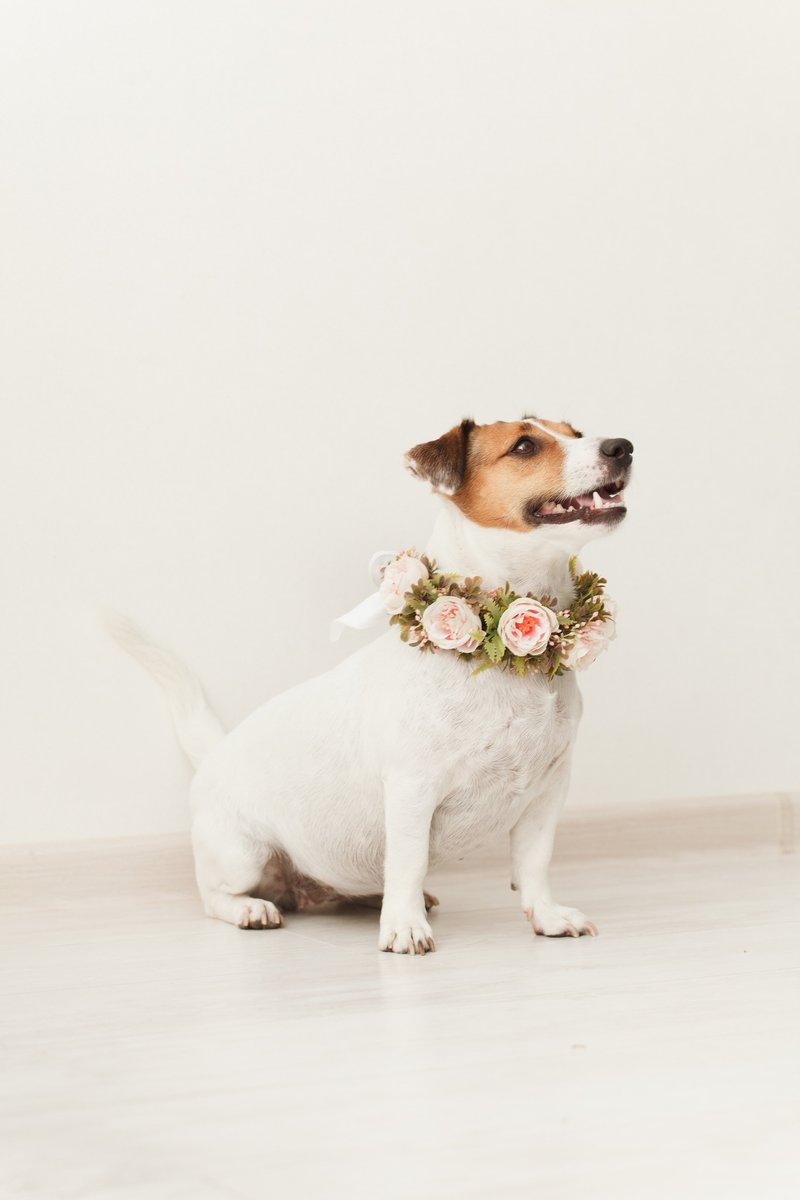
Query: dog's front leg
[[531, 851], [409, 802]]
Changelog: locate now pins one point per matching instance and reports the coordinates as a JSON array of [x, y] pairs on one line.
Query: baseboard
[[708, 824]]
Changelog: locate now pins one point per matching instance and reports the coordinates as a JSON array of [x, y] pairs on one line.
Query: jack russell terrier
[[351, 785]]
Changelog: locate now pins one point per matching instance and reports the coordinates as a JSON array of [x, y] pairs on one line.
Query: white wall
[[254, 251]]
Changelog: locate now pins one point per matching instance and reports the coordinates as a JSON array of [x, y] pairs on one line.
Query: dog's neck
[[531, 562]]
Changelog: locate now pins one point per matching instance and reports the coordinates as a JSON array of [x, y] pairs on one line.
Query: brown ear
[[443, 462]]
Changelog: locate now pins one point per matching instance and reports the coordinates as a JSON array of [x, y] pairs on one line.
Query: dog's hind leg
[[229, 866]]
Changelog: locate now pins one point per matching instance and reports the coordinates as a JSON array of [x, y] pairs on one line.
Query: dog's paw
[[406, 936], [554, 920], [430, 901], [258, 914]]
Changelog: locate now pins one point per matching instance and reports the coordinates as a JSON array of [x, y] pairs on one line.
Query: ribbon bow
[[371, 610]]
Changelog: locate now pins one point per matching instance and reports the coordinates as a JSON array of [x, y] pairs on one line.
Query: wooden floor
[[148, 1052]]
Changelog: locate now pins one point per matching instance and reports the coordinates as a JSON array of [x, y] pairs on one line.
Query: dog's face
[[529, 475]]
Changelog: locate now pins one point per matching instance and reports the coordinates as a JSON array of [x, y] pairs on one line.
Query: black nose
[[620, 449]]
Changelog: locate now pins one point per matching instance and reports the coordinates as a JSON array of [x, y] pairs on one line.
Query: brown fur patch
[[562, 427], [499, 486], [443, 462], [285, 886]]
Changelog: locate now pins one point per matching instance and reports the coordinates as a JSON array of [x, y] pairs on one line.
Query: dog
[[353, 784]]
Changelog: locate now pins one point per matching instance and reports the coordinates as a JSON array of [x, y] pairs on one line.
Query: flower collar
[[492, 628], [498, 627]]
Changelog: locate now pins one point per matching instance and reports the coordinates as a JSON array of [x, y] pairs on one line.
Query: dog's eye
[[524, 447]]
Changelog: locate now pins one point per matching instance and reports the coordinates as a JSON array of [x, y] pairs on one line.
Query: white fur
[[584, 469], [394, 760], [196, 726]]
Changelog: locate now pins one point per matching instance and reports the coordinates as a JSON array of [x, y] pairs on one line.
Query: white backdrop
[[255, 251]]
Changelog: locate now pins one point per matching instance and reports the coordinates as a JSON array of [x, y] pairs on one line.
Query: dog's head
[[529, 475]]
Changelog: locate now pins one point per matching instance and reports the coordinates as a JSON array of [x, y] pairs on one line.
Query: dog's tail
[[196, 725]]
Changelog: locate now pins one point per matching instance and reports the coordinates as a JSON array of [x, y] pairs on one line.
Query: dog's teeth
[[558, 508], [598, 500]]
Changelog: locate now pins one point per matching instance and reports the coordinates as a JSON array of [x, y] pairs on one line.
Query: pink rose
[[527, 626], [588, 643], [451, 624], [399, 577]]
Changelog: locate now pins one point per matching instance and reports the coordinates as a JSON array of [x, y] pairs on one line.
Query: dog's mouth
[[605, 503]]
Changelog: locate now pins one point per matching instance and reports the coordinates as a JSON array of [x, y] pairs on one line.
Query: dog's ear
[[444, 461]]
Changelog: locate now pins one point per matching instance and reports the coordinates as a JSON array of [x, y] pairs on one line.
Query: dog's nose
[[620, 449]]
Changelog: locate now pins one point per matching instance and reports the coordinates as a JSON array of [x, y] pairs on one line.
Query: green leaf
[[493, 648]]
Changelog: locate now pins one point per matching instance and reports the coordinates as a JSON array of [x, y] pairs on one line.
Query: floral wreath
[[497, 628]]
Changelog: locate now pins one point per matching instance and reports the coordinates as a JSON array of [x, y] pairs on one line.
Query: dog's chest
[[507, 743]]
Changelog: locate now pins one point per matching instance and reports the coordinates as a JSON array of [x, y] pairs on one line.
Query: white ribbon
[[370, 611]]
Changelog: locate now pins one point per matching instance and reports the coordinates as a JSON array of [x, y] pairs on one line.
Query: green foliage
[[493, 648]]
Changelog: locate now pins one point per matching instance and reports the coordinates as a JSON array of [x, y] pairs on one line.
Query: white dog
[[354, 783]]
